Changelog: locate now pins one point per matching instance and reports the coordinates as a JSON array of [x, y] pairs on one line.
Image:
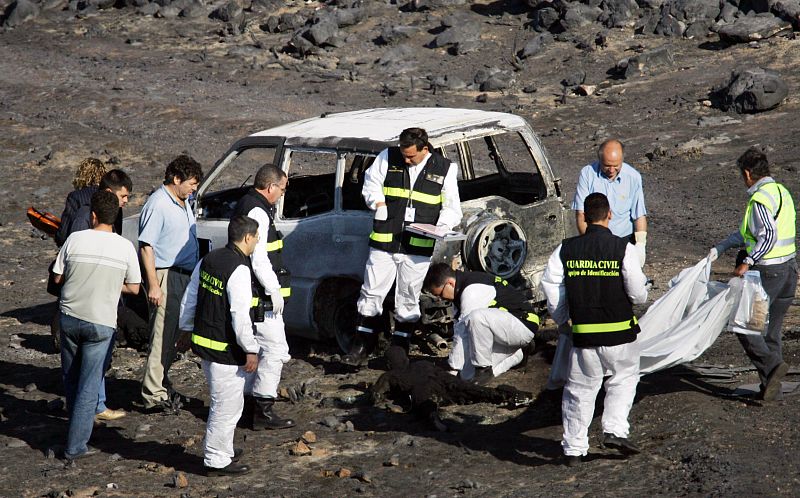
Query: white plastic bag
[[752, 311]]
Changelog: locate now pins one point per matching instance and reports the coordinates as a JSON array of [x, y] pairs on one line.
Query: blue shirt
[[170, 230], [624, 195]]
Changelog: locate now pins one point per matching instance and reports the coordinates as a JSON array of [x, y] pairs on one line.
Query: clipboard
[[435, 232]]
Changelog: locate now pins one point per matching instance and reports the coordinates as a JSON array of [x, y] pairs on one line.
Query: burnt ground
[[137, 91]]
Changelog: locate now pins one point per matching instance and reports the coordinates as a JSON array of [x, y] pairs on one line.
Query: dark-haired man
[[169, 251], [406, 184], [79, 216], [216, 309], [272, 283], [594, 279], [495, 321], [119, 183], [95, 266], [767, 232]]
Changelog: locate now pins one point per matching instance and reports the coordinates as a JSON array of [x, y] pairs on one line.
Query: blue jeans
[[101, 396], [84, 347]]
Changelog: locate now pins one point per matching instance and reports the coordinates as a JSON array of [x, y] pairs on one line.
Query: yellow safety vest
[[780, 205]]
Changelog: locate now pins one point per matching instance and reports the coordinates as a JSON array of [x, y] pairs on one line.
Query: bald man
[[622, 185]]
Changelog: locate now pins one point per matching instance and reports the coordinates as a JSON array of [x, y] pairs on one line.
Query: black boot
[[265, 418], [403, 331], [364, 341]]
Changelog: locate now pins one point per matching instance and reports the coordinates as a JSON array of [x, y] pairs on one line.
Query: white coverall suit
[[485, 336], [225, 382], [589, 365], [270, 334], [383, 268]]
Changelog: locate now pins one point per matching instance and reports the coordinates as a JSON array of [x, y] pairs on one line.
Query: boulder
[[574, 79], [728, 13], [497, 81], [466, 47], [577, 15], [788, 10], [391, 34], [544, 18], [193, 11], [535, 45], [668, 25], [136, 3], [228, 12], [752, 28], [18, 12], [400, 57], [457, 34], [751, 90], [619, 13], [169, 12], [349, 17], [645, 62], [690, 11], [698, 29], [325, 28], [266, 5], [149, 9]]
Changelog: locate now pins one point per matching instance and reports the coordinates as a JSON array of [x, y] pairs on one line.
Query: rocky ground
[[138, 83]]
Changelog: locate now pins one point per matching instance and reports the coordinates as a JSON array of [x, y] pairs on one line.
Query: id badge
[[410, 213]]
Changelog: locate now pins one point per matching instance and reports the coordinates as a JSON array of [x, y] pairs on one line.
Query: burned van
[[510, 198]]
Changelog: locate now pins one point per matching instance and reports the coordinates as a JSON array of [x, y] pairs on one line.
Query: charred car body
[[510, 198]]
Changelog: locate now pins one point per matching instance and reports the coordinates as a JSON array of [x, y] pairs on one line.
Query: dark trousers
[[780, 282]]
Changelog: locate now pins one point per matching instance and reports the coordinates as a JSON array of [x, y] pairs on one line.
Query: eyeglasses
[[282, 189]]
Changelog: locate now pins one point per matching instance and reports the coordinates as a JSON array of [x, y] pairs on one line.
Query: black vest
[[425, 197], [601, 313], [213, 338], [507, 298], [274, 242]]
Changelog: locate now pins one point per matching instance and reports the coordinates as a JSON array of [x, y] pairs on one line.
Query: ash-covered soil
[[137, 90]]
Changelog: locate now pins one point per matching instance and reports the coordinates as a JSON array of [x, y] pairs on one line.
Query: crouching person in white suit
[[216, 310], [495, 321]]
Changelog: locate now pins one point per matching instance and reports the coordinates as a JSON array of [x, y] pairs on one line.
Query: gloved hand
[[641, 245], [381, 213], [713, 254], [277, 301]]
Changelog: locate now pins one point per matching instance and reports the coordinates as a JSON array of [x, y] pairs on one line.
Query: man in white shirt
[[409, 183], [95, 266], [495, 321], [593, 280], [216, 309]]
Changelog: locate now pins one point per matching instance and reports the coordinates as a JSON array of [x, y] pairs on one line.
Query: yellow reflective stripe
[[426, 198], [499, 280], [594, 328], [395, 192], [286, 291], [414, 241], [381, 237], [254, 302], [209, 343], [274, 246], [412, 194], [532, 317]]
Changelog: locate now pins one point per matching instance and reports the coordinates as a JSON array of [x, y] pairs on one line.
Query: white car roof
[[385, 124]]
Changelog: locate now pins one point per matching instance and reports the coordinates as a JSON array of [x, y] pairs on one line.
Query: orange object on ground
[[44, 221]]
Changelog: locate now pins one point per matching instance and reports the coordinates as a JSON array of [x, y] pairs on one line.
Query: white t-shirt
[[95, 264]]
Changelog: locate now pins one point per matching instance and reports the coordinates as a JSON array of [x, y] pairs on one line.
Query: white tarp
[[676, 329]]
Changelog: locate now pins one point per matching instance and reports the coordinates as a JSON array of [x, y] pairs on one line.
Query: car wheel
[[496, 246]]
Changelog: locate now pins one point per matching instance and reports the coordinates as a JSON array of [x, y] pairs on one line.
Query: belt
[[177, 269]]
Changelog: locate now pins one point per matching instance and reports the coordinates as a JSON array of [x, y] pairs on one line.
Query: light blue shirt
[[170, 230], [624, 194]]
